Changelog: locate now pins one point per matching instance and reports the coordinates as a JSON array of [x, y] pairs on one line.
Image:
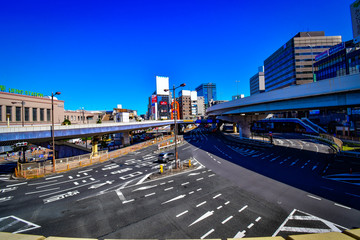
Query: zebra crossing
[[298, 222]]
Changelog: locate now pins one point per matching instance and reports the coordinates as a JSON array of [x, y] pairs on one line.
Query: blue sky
[[102, 53]]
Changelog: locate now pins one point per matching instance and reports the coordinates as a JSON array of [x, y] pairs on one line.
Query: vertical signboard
[[355, 18], [162, 83]]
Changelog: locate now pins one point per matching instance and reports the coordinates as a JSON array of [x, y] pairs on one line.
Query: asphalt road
[[234, 191]]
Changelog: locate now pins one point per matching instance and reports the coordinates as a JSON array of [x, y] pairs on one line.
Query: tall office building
[[208, 91], [160, 100], [257, 82], [292, 64]]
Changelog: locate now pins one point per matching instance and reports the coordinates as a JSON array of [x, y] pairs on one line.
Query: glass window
[[41, 114], [34, 114], [48, 115], [27, 114], [18, 114], [8, 112]]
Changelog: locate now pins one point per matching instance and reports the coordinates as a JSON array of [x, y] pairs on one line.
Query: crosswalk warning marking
[[297, 217]]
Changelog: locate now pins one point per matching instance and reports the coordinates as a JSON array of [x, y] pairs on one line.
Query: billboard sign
[[337, 48], [162, 83], [355, 18], [322, 55], [153, 98], [163, 103]]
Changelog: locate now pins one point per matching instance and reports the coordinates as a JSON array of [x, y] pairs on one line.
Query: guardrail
[[168, 144], [41, 169]]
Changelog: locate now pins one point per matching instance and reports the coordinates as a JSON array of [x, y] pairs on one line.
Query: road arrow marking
[[206, 215], [174, 199]]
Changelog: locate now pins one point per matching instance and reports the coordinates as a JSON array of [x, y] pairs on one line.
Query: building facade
[[257, 82], [208, 91], [160, 101], [200, 106], [292, 64], [19, 109], [342, 59]]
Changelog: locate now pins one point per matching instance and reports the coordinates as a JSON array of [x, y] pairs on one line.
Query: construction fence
[[43, 168]]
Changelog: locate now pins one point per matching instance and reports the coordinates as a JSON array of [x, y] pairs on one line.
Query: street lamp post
[[175, 118], [52, 128], [22, 111]]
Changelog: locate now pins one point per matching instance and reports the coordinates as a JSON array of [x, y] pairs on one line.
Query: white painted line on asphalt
[[339, 205], [180, 214], [76, 183], [120, 194], [227, 219], [305, 230], [28, 193], [17, 184], [144, 188], [194, 174], [250, 226], [207, 234], [150, 194], [131, 200], [283, 224], [67, 181], [191, 192], [49, 178], [258, 219], [65, 190], [200, 204], [199, 189], [162, 183], [86, 171], [167, 189], [204, 216], [186, 183], [240, 234], [217, 196], [170, 181], [243, 208], [314, 197], [174, 199], [199, 179], [219, 207], [211, 175], [92, 179], [227, 203]]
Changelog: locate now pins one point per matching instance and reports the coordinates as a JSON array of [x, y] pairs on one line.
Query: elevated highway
[[335, 93]]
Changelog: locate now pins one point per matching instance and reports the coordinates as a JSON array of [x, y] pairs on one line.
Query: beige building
[[82, 116], [19, 109]]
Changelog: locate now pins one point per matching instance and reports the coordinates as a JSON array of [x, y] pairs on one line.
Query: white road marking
[[167, 189], [150, 194], [143, 179], [353, 195], [60, 196], [191, 192], [194, 174], [240, 234], [227, 219], [243, 208], [51, 189], [199, 179], [207, 234], [17, 220], [127, 201], [200, 204], [258, 219], [211, 175], [339, 205], [250, 226], [17, 184], [4, 199], [120, 194], [227, 203], [76, 183], [180, 214], [86, 171], [217, 196], [206, 215], [304, 230], [4, 190], [186, 183], [144, 188], [49, 178], [67, 189], [199, 189], [219, 207], [314, 197], [174, 199]]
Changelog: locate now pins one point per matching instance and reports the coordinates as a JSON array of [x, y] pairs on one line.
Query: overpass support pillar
[[126, 138], [235, 130], [94, 146]]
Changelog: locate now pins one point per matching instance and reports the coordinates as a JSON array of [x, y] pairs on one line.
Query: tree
[[66, 122]]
